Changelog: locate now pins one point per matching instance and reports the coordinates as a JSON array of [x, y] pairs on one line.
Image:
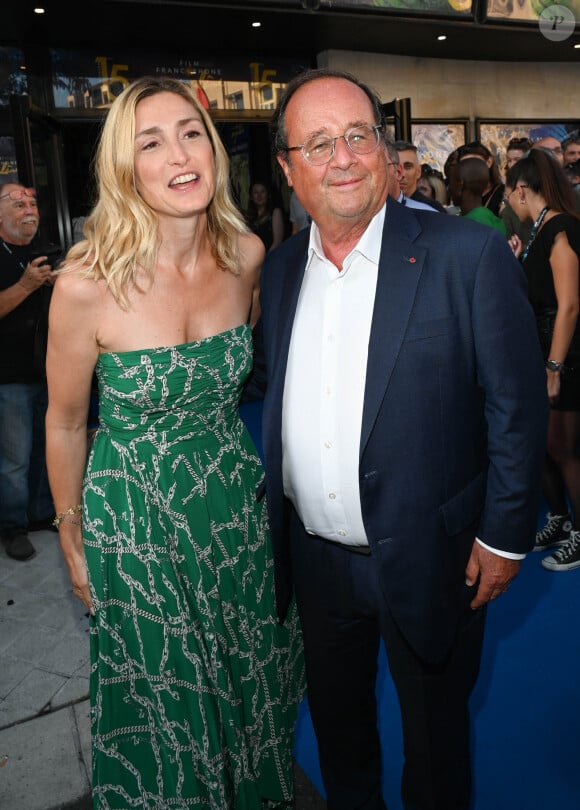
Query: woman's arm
[[252, 254], [564, 264], [277, 228], [71, 357]]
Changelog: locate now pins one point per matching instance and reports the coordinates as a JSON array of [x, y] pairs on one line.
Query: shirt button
[[328, 445], [332, 495], [342, 533]]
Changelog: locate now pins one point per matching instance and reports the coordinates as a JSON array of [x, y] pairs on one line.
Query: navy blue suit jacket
[[455, 412]]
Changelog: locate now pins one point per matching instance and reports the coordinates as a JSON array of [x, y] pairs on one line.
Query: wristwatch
[[554, 365]]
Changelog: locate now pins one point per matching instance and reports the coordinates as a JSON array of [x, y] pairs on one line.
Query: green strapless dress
[[194, 684]]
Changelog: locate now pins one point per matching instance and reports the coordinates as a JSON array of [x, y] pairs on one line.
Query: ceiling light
[[577, 45], [256, 24], [39, 10], [442, 37]]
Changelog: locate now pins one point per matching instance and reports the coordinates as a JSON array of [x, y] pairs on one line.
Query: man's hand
[[495, 574], [36, 274]]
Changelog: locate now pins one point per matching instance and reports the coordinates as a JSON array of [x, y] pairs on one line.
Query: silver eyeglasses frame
[[326, 141]]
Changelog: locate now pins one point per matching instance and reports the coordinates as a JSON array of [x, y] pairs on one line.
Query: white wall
[[449, 88]]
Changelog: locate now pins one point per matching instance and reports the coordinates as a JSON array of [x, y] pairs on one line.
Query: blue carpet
[[526, 704]]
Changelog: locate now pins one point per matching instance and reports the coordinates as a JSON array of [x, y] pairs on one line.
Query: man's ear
[[285, 168]]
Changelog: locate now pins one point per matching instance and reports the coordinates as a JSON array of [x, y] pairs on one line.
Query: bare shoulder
[[72, 288], [562, 246], [252, 253]]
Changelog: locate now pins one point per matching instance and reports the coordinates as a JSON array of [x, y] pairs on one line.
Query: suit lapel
[[400, 267]]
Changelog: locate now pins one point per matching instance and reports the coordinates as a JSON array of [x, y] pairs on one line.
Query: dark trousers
[[24, 490], [344, 616]]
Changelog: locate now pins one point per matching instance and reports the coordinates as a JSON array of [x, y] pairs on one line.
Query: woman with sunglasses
[[551, 260]]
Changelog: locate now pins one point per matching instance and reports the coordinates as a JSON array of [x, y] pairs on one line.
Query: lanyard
[[5, 246], [533, 232]]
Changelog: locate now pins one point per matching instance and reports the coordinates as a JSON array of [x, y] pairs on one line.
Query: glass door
[[40, 161]]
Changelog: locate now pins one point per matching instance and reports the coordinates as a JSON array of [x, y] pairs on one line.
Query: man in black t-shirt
[[25, 286]]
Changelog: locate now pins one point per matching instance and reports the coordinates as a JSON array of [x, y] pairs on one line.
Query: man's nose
[[342, 152]]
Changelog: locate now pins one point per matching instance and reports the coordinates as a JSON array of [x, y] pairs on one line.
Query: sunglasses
[[19, 193]]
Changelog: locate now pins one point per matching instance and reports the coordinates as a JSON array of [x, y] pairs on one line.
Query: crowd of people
[[534, 201], [425, 184], [415, 407]]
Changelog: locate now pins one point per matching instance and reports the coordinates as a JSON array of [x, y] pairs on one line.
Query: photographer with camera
[[25, 286]]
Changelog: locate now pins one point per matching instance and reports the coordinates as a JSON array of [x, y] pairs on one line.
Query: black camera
[[52, 252]]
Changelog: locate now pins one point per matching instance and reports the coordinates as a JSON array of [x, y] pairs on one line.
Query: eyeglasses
[[506, 198], [19, 193], [319, 149]]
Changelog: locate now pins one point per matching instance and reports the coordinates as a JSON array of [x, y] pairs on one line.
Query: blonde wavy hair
[[121, 232]]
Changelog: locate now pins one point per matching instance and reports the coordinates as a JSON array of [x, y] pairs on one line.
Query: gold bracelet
[[72, 510], [67, 519]]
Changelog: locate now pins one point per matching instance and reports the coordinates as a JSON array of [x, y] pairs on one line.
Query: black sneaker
[[555, 532], [19, 547], [567, 557]]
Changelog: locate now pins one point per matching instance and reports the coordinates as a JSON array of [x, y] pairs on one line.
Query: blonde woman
[[194, 684]]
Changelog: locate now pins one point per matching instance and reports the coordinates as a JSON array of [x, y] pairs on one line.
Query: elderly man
[[25, 285], [404, 434]]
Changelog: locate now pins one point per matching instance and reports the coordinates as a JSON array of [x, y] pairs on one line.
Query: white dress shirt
[[325, 383], [324, 389]]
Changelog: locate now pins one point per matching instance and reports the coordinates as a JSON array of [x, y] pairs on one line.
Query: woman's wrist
[[68, 516]]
